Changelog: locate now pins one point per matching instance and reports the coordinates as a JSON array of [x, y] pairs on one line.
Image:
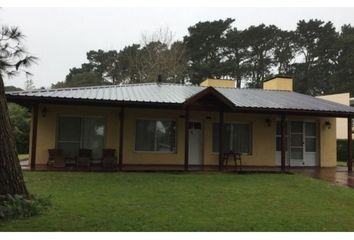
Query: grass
[[23, 157], [341, 164], [187, 202]]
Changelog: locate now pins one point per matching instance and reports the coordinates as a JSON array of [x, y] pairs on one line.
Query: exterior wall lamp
[[327, 125], [44, 112]]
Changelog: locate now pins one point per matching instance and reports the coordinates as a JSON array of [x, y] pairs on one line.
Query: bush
[[18, 206], [342, 146]]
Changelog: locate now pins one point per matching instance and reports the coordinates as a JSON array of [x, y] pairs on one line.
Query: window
[[310, 137], [237, 137], [76, 132], [155, 135]]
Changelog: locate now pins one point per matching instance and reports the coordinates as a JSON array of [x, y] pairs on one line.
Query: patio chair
[[235, 156], [84, 158], [56, 158], [109, 159]]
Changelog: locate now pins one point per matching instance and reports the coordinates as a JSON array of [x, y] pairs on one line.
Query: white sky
[[60, 37]]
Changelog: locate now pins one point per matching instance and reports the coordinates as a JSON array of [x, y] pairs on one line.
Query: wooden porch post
[[34, 135], [121, 138], [350, 157], [283, 141], [221, 139], [186, 139]]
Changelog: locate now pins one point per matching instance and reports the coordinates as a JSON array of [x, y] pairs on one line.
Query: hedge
[[342, 149]]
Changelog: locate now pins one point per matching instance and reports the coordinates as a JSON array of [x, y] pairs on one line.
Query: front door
[[195, 143], [302, 144]]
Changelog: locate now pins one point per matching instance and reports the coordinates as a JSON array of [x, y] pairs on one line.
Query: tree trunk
[[11, 178]]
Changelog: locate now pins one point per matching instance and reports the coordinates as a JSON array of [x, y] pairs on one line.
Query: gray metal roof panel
[[177, 93]]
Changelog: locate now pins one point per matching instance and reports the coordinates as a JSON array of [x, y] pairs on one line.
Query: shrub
[[19, 206], [342, 147]]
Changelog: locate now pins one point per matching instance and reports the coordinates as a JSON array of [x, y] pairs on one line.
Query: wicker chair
[[56, 158], [109, 159], [84, 159]]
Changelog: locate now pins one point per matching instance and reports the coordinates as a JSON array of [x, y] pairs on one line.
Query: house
[[160, 124], [341, 123]]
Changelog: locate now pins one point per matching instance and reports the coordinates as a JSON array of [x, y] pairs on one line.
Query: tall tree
[[315, 41], [12, 59], [284, 52], [344, 65], [236, 53], [261, 48], [205, 43]]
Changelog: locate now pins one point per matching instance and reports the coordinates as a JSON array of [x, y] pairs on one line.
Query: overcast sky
[[60, 37]]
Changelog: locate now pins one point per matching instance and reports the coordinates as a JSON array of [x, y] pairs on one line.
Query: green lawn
[[341, 164], [23, 157], [187, 202]]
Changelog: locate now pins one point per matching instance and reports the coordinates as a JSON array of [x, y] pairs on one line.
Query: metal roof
[[177, 94]]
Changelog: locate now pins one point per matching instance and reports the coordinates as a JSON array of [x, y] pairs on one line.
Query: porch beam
[[34, 135], [350, 157], [186, 139], [221, 140], [283, 141], [121, 138]]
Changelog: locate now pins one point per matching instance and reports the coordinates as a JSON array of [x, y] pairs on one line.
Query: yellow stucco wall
[[342, 123], [218, 83], [279, 83], [263, 135]]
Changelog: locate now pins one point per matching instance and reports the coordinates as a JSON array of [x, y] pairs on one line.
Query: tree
[[29, 84], [13, 58], [158, 54], [236, 54], [344, 65], [80, 80], [315, 41], [284, 52], [205, 54], [260, 60]]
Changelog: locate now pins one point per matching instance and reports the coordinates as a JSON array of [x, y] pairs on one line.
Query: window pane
[[227, 137], [152, 135], [310, 144], [241, 138], [165, 136], [69, 129], [145, 135], [296, 153], [310, 129], [93, 135], [71, 150], [296, 140], [296, 127]]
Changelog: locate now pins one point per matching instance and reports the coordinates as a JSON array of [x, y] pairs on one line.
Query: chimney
[[225, 83], [284, 83]]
